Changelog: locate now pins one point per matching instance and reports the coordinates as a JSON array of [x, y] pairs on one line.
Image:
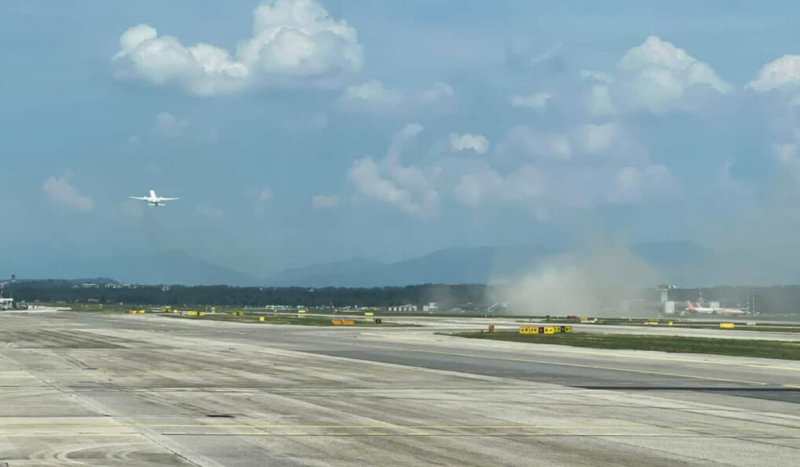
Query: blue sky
[[306, 132]]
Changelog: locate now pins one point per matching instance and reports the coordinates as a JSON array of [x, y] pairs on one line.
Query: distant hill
[[449, 266], [349, 273], [478, 266], [171, 267], [682, 263]]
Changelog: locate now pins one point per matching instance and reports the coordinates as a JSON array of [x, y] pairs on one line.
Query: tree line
[[447, 296], [774, 300]]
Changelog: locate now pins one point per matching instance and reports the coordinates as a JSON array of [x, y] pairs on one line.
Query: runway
[[102, 390]]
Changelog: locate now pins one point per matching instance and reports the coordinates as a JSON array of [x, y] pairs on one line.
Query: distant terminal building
[[668, 292], [432, 306], [6, 303], [403, 308]]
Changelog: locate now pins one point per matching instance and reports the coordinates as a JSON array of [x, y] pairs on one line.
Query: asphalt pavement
[[103, 390]]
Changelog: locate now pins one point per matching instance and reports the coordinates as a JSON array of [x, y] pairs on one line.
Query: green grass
[[676, 344]]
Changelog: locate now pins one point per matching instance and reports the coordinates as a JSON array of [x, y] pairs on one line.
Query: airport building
[[6, 303]]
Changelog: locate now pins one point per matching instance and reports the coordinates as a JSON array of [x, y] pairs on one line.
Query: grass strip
[[676, 344]]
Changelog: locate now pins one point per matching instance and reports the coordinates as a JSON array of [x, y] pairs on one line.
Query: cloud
[[536, 101], [634, 185], [732, 188], [324, 201], [656, 76], [535, 143], [170, 126], [409, 188], [599, 102], [780, 74], [597, 139], [293, 42], [179, 131], [788, 157], [598, 76], [477, 143], [437, 93], [583, 167], [211, 212], [265, 194], [62, 193], [371, 96], [609, 142], [484, 185], [522, 56], [543, 190], [374, 96]]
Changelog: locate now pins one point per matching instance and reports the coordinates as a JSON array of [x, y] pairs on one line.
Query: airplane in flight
[[153, 199], [714, 311]]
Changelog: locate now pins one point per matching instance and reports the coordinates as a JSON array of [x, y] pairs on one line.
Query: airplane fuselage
[[154, 200], [714, 311]]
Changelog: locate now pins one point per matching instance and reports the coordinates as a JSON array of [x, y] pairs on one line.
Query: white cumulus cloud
[[61, 192], [324, 201], [409, 188], [468, 141], [782, 73], [656, 76], [371, 96], [293, 41], [597, 139], [609, 141], [599, 102], [374, 96]]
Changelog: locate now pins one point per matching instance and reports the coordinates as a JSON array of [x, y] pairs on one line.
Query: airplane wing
[[169, 199], [140, 198]]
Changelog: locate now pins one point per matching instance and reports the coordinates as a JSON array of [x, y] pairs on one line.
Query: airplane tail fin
[[689, 304], [153, 194]]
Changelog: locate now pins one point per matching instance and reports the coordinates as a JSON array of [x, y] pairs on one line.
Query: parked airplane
[[153, 199], [714, 311]]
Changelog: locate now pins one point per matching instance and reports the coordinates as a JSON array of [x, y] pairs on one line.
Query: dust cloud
[[600, 280]]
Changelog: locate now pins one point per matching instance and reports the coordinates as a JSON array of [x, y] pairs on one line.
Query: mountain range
[[682, 262], [674, 260]]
